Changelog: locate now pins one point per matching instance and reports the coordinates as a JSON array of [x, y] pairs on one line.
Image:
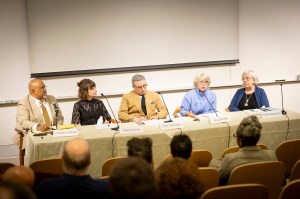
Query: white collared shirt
[[47, 106]]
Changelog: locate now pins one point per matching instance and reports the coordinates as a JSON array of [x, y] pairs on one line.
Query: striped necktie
[[45, 114]]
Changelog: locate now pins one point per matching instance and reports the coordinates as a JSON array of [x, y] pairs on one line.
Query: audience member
[[177, 178], [247, 136], [132, 178], [10, 190], [181, 146], [75, 182], [140, 147], [88, 110], [20, 175], [36, 111], [200, 100], [251, 96], [140, 104]]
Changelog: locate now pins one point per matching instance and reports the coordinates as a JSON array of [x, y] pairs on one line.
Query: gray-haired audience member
[[10, 190], [247, 136], [133, 178], [140, 147], [20, 175], [178, 178], [75, 182], [181, 146]]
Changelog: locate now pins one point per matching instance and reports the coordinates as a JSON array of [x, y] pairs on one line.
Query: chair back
[[295, 174], [291, 190], [288, 152], [235, 149], [201, 158], [209, 177], [245, 191], [270, 174], [44, 169], [4, 166], [108, 165]]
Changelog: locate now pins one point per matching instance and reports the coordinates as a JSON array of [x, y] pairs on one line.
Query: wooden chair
[[108, 165], [245, 191], [21, 150], [235, 149], [291, 190], [177, 110], [201, 158], [270, 174], [49, 168], [288, 152], [209, 177], [295, 174]]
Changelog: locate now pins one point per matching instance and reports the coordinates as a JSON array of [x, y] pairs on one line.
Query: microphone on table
[[282, 111], [210, 104], [114, 128], [170, 120], [56, 110]]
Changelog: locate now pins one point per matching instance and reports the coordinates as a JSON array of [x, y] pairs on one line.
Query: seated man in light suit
[[140, 104], [36, 111]]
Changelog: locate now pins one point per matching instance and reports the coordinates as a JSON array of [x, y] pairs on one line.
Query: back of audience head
[[10, 190], [177, 178], [248, 131], [141, 147], [133, 178], [20, 175], [181, 146], [76, 157]]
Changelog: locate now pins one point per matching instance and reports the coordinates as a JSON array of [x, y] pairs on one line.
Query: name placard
[[131, 129], [171, 125], [66, 132], [271, 114], [221, 119]]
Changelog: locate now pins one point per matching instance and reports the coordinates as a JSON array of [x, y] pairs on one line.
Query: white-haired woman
[[200, 100], [251, 96]]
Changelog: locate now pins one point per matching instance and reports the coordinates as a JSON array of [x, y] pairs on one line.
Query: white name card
[[171, 125], [131, 129], [221, 119], [65, 132], [271, 114]]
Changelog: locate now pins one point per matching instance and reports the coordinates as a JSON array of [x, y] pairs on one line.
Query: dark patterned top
[[87, 112]]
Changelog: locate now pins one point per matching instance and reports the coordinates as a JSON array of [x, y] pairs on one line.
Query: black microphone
[[210, 104], [115, 128], [55, 107], [282, 111], [170, 120]]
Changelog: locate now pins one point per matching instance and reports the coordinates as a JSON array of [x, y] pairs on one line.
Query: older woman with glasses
[[247, 136], [249, 97], [200, 100]]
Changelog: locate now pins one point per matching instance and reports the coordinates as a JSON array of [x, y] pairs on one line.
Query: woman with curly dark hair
[[88, 110], [178, 179]]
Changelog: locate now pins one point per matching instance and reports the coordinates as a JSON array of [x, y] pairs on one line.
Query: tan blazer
[[131, 106], [245, 155], [28, 114]]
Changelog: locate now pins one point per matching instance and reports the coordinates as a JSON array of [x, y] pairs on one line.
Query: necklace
[[247, 99]]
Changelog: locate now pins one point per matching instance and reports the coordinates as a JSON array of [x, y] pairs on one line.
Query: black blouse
[[252, 103], [87, 112]]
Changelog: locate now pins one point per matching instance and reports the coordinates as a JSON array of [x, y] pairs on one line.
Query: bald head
[[76, 156], [37, 89], [20, 175]]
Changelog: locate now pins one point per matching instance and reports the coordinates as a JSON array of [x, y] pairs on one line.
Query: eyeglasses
[[234, 136], [43, 88], [141, 87], [247, 78], [203, 82]]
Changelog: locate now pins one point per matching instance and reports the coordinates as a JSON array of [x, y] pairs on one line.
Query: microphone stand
[[170, 120], [114, 128], [282, 111], [210, 104]]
